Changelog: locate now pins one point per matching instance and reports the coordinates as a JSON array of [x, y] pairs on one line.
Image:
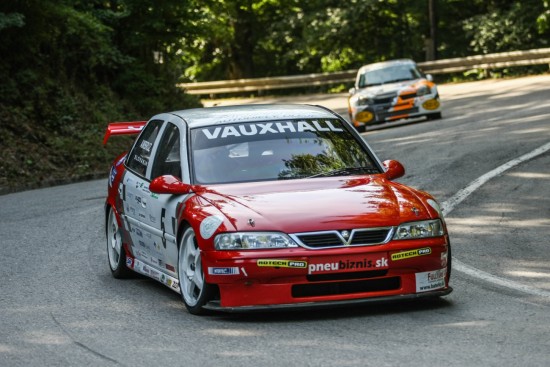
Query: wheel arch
[[184, 223]]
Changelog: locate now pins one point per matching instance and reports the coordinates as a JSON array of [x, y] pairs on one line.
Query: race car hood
[[316, 204], [371, 92]]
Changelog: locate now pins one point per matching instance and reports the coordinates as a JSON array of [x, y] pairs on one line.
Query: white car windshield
[[390, 74], [276, 150]]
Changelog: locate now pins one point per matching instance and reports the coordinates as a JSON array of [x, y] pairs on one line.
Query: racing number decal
[[162, 227]]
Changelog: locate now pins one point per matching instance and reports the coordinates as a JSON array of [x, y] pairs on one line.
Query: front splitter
[[215, 305]]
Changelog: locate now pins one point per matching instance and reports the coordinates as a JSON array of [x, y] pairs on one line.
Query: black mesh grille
[[321, 240], [384, 99], [369, 237], [408, 96], [334, 288], [332, 239], [346, 276]]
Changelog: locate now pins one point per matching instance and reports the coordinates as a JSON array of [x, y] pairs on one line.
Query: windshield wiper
[[346, 171]]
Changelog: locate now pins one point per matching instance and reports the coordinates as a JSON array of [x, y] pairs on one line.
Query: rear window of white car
[[276, 150]]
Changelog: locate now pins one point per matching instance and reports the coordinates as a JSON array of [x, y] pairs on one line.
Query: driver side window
[[167, 160]]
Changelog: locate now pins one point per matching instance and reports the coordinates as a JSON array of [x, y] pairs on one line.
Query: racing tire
[[116, 254], [449, 262], [434, 116], [195, 292], [360, 128]]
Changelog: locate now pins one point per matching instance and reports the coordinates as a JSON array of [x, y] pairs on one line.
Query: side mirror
[[394, 169], [430, 77], [352, 91], [169, 185]]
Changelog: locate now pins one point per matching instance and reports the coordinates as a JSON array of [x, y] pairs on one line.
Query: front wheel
[[115, 249], [434, 116], [194, 290]]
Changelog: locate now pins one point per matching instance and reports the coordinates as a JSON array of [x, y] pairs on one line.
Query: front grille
[[384, 98], [369, 237], [335, 288], [408, 95], [321, 240], [357, 237]]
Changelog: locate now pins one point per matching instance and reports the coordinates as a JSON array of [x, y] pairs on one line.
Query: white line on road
[[460, 196]]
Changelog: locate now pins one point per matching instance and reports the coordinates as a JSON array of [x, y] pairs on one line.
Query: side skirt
[[149, 271]]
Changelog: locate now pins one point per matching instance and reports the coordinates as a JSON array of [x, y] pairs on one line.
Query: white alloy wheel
[[115, 250], [194, 290]]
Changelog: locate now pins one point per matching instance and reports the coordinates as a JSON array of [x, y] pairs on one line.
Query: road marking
[[461, 195], [503, 282]]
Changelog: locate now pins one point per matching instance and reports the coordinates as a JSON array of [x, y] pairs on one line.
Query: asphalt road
[[59, 305]]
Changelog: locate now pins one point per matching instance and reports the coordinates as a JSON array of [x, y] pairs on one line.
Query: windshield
[[276, 150], [390, 74]]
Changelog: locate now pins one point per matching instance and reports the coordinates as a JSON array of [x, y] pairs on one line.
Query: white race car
[[392, 90]]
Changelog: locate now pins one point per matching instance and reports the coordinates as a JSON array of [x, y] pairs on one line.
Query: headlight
[[253, 241], [363, 101], [423, 90], [422, 229]]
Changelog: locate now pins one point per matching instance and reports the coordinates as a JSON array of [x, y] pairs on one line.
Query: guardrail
[[485, 62]]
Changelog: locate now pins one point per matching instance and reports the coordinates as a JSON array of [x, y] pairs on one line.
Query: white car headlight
[[363, 101], [421, 229], [423, 90], [253, 241]]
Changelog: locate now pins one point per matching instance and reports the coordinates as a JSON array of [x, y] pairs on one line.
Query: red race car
[[269, 206]]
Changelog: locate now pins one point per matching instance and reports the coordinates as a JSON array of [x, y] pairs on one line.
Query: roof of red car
[[251, 113]]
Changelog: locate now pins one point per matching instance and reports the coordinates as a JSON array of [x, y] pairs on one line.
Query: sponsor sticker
[[138, 232], [142, 254], [170, 267], [269, 128], [273, 263], [149, 271], [209, 225], [146, 145], [129, 262], [348, 264], [412, 253], [223, 271], [154, 273], [140, 160], [430, 280]]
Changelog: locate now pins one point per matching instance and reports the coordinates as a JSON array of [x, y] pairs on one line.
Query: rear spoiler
[[123, 128]]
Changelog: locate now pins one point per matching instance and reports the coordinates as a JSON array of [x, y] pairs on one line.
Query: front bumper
[[395, 109], [263, 280]]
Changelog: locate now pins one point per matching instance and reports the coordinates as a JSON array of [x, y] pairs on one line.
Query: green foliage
[[11, 20], [70, 66], [543, 20], [506, 27]]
